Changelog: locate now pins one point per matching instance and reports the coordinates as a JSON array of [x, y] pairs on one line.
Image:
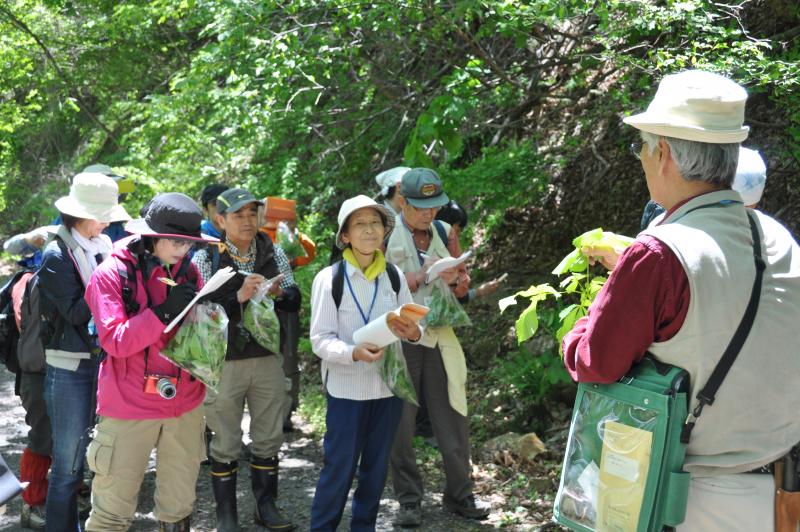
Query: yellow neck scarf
[[371, 272]]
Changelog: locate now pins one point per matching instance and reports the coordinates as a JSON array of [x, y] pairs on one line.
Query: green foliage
[[313, 408], [310, 99], [579, 285]]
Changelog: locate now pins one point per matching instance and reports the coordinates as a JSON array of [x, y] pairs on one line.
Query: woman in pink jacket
[[145, 401]]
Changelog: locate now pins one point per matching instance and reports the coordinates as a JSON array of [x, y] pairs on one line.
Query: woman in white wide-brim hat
[[71, 349], [363, 414]]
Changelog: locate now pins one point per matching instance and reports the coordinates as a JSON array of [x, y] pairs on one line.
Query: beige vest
[[400, 250], [756, 415]]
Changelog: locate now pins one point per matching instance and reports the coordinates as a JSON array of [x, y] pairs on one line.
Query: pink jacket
[[120, 386]]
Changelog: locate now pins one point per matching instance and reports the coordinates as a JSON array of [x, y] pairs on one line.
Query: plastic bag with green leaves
[[261, 321], [393, 370], [445, 311], [289, 241], [200, 344]]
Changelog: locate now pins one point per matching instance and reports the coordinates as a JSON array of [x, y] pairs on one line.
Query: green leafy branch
[[579, 283]]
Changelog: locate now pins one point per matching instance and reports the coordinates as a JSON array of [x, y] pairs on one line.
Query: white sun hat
[[751, 175], [93, 196], [389, 178], [359, 202], [695, 105]]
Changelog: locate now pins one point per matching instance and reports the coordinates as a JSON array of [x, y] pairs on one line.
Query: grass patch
[[313, 408]]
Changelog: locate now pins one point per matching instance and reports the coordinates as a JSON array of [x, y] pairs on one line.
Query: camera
[[164, 386]]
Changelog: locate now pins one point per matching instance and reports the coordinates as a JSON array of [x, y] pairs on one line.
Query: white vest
[[756, 416], [401, 251]]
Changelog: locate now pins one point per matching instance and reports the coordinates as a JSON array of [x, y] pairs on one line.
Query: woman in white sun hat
[[71, 348], [144, 400], [362, 414]]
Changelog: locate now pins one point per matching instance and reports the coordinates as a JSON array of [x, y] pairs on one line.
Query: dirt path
[[301, 462]]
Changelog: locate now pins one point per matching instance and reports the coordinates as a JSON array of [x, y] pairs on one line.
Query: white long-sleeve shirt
[[332, 330]]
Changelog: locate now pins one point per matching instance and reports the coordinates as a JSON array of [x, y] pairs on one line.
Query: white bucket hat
[[359, 202], [390, 178], [93, 196], [695, 105], [751, 175]]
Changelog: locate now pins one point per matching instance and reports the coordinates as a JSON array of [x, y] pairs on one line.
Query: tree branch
[[72, 91]]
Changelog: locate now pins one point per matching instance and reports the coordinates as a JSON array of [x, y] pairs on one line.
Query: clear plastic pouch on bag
[[289, 241], [261, 320], [623, 463], [445, 311], [201, 342], [393, 370]]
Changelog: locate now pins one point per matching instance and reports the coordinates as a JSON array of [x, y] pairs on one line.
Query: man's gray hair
[[700, 161]]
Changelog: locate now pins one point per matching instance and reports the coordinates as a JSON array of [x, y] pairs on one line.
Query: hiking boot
[[32, 517], [469, 507], [223, 484], [264, 480], [410, 514]]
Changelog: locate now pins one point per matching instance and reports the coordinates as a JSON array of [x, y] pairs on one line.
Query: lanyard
[[364, 317]]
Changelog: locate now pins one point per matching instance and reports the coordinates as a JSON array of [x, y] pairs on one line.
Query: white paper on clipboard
[[445, 264], [213, 284]]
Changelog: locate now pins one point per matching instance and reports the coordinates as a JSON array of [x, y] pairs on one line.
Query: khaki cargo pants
[[118, 455], [261, 382]]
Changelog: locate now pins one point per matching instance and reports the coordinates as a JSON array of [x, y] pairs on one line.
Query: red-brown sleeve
[[645, 300]]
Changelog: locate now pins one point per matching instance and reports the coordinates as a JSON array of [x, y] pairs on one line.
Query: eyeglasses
[[636, 150], [180, 243]]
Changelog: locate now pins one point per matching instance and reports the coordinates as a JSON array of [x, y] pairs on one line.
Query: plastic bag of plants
[[200, 344], [394, 372], [289, 241], [261, 321], [445, 311]]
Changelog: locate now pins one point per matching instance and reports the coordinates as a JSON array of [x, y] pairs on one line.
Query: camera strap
[[707, 395]]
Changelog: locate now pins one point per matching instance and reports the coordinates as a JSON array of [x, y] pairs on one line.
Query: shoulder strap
[[707, 395], [338, 282], [215, 255], [394, 277], [128, 278], [337, 288], [441, 230]]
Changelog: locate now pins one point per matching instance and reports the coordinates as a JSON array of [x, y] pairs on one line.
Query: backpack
[[9, 334], [338, 281], [33, 330]]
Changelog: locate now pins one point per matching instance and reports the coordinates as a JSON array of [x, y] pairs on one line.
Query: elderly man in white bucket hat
[[681, 290]]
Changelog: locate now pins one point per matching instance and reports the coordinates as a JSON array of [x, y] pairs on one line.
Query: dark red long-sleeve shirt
[[645, 300]]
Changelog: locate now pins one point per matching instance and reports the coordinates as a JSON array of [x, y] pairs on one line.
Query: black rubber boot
[[264, 475], [184, 525], [223, 482]]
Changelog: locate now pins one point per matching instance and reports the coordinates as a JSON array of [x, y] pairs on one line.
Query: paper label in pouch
[[624, 463]]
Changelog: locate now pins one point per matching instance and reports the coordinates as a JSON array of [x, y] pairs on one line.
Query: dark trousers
[[450, 428], [290, 340], [355, 430]]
